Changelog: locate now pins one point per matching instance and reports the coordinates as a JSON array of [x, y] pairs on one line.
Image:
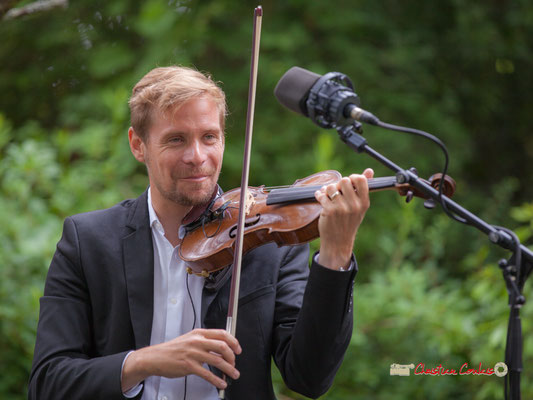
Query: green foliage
[[524, 215], [428, 290]]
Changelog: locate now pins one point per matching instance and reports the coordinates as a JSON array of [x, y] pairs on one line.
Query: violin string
[[297, 189], [306, 191], [371, 183], [383, 179], [269, 188]]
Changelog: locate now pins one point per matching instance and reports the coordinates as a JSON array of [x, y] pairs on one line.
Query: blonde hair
[[167, 88]]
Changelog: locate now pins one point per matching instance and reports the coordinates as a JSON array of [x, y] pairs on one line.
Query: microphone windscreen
[[293, 89]]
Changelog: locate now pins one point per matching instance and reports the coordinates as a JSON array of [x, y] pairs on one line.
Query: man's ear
[[136, 145]]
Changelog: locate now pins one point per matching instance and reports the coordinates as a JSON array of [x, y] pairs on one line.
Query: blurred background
[[429, 289]]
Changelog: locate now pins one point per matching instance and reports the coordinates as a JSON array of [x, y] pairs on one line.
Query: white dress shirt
[[174, 315]]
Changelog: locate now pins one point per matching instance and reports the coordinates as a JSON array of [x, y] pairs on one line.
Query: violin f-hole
[[247, 223]]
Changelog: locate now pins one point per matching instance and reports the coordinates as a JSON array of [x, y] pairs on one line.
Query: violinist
[[122, 318]]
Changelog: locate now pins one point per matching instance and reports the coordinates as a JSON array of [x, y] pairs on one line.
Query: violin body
[[285, 216], [210, 247]]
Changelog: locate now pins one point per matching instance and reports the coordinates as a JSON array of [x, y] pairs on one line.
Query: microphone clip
[[328, 98], [352, 136]]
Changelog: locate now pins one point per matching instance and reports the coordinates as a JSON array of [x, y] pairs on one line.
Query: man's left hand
[[344, 205]]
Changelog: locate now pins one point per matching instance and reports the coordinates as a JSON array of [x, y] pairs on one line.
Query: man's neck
[[170, 215]]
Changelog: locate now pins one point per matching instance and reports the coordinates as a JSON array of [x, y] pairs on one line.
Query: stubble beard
[[183, 198], [196, 196]]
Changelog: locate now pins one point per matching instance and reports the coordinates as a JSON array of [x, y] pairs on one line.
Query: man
[[120, 317]]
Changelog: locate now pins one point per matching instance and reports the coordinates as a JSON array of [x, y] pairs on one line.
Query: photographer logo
[[500, 370]]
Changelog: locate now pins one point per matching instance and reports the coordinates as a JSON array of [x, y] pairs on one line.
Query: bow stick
[[231, 321]]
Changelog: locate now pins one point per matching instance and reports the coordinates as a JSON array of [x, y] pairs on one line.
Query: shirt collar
[[151, 211]]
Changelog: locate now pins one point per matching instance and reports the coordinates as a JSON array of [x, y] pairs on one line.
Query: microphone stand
[[515, 271]]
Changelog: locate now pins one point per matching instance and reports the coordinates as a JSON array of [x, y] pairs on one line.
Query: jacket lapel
[[217, 283], [139, 269]]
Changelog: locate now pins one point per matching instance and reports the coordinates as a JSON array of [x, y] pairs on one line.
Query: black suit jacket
[[98, 305]]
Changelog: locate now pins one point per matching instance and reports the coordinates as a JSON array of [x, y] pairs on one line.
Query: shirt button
[[173, 301], [164, 398]]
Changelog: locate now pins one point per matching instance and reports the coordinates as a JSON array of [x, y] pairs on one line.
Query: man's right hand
[[183, 356]]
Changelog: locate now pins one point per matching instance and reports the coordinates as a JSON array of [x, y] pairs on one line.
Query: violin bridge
[[249, 202]]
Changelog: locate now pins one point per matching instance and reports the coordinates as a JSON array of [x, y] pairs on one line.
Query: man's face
[[183, 152]]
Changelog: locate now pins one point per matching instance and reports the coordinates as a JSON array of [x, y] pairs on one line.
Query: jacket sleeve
[[313, 330], [64, 364]]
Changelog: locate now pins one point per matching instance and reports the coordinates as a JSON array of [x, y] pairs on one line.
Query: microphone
[[329, 100]]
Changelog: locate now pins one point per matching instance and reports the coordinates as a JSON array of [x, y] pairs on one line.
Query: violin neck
[[307, 193]]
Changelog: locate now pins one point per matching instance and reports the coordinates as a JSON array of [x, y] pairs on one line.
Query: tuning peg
[[429, 204], [409, 196]]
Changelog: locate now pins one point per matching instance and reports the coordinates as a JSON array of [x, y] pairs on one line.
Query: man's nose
[[195, 153]]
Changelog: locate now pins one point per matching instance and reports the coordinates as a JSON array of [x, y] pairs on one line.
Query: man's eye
[[175, 140]]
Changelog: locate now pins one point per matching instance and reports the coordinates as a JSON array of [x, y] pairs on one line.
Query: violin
[[286, 216]]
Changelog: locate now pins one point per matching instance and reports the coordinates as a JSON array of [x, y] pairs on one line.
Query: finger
[[321, 197], [221, 349], [221, 334], [332, 189], [200, 346], [369, 173], [348, 190], [360, 184], [325, 194], [217, 361], [209, 376], [213, 352]]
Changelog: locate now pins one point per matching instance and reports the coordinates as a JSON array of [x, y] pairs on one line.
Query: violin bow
[[231, 321]]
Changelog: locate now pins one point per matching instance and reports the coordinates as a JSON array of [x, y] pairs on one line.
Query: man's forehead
[[169, 114], [200, 103], [184, 117]]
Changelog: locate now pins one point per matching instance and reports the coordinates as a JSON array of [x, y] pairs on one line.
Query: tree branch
[[6, 5], [32, 8]]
